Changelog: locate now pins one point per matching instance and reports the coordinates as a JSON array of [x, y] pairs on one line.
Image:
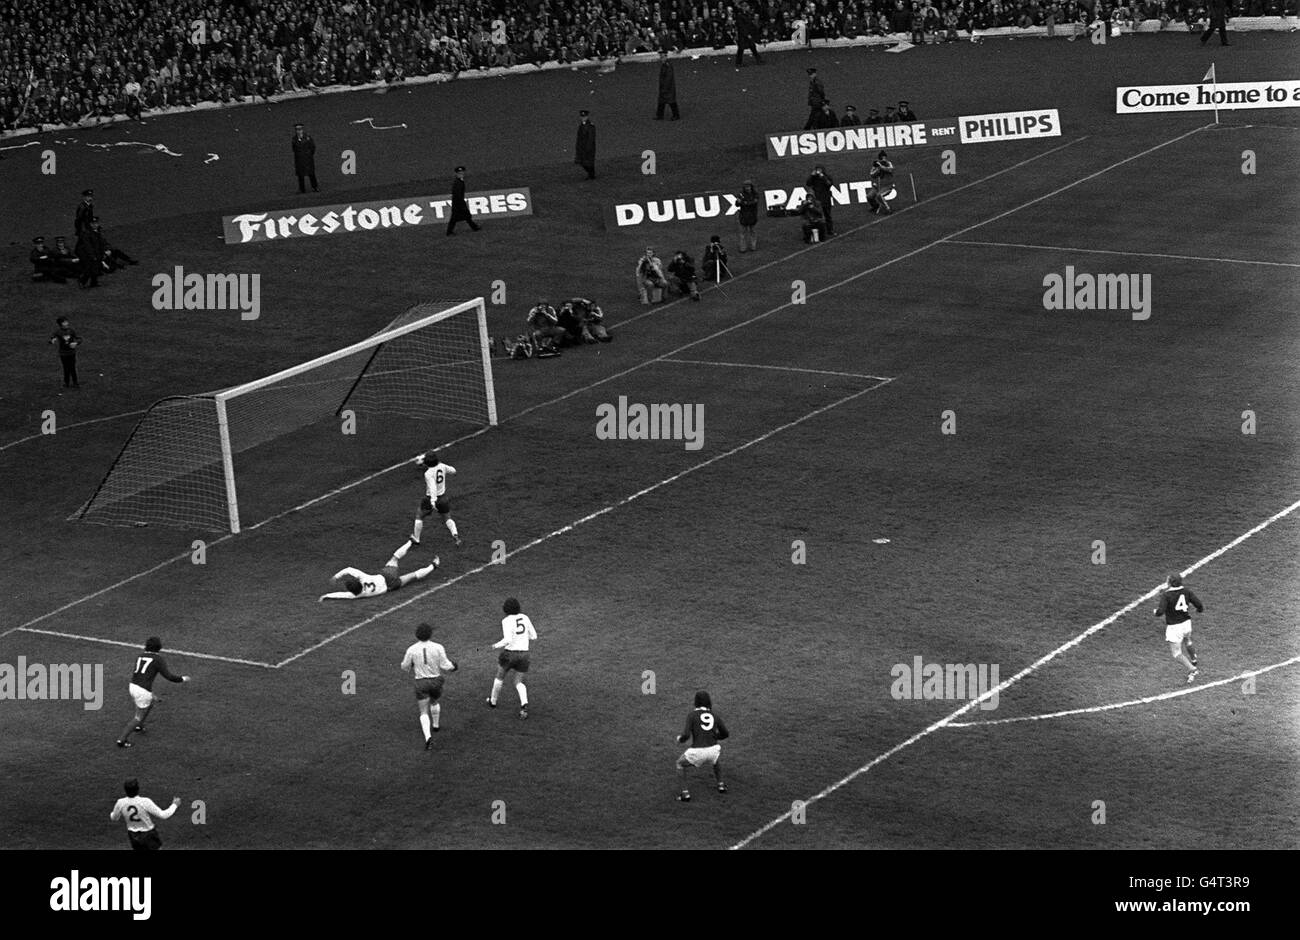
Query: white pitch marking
[[1007, 683], [1130, 254], [170, 651], [1177, 693], [754, 365]]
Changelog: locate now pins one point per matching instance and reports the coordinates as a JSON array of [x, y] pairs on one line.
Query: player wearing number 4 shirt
[[424, 659], [704, 730], [435, 496], [1174, 602], [516, 632], [148, 666], [357, 583]]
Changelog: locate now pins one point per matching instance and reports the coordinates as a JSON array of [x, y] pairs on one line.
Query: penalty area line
[[1126, 254], [584, 520], [1008, 683], [754, 365], [136, 646], [1177, 693]]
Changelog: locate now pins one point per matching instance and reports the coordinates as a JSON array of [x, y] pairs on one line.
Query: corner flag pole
[[1214, 81], [913, 179]]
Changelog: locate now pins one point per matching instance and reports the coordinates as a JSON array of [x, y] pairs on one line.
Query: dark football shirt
[[1173, 605], [705, 728], [147, 666]]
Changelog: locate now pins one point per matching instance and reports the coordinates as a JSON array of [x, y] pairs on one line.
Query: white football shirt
[[426, 658], [435, 479], [516, 631], [138, 812]]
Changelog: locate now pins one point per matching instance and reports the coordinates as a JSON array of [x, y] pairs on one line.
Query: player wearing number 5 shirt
[[516, 633], [705, 731], [424, 659], [1174, 602], [148, 666]]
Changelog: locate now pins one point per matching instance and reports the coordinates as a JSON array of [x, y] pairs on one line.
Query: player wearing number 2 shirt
[[516, 633], [148, 666], [1174, 602], [705, 731]]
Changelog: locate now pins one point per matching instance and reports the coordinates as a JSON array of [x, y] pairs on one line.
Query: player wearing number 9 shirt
[[704, 730], [1174, 601], [516, 632], [148, 666]]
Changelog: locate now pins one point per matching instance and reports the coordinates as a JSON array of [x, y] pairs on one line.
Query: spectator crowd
[[65, 64]]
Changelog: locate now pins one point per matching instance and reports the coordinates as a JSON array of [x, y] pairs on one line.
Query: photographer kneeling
[[682, 268], [814, 220]]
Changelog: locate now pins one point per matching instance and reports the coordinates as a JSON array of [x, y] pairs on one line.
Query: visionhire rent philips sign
[[370, 216], [970, 129]]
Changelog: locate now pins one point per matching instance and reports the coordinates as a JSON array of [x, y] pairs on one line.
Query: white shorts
[[699, 756], [1177, 632], [143, 698]]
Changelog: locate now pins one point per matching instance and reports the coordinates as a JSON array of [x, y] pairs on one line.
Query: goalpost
[[178, 466]]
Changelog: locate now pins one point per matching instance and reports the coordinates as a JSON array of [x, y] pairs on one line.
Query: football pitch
[[906, 457]]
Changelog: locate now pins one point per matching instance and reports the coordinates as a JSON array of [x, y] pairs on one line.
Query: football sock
[[523, 694], [399, 554], [496, 691], [451, 527], [436, 712], [418, 529], [424, 725]]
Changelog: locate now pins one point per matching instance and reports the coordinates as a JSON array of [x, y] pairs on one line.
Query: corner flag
[[1209, 76]]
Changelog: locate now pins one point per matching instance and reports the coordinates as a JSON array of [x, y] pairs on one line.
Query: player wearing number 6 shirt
[[424, 659], [1174, 601], [138, 811], [435, 496], [148, 666], [516, 632], [704, 730]]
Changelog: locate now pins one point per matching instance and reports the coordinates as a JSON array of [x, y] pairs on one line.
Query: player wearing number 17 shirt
[[705, 731], [1174, 602], [516, 632], [148, 666], [435, 496], [425, 659]]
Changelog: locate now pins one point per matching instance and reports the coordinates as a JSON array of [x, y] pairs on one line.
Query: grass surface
[[1072, 427]]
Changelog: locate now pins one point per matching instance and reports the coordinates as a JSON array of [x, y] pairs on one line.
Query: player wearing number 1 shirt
[[1174, 601], [148, 666], [425, 660], [704, 730]]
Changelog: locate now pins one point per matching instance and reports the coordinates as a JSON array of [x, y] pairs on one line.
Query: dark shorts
[[513, 659], [429, 688], [145, 841], [442, 505], [393, 581]]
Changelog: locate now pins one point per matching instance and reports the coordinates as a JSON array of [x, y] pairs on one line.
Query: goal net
[[179, 465]]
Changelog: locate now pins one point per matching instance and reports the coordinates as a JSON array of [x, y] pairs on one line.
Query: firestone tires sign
[[381, 216]]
